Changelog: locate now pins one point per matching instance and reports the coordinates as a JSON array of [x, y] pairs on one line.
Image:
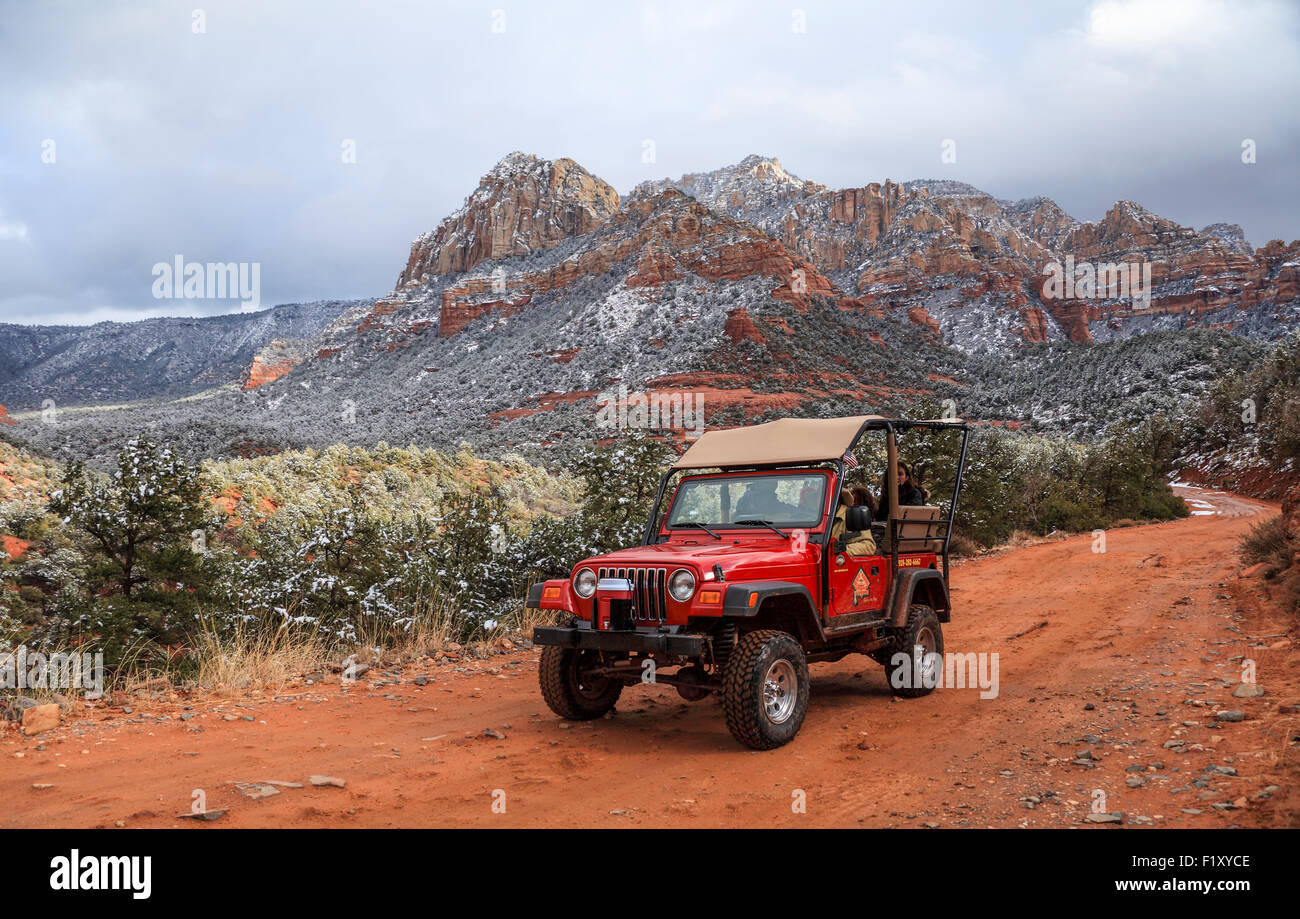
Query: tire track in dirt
[[1102, 658]]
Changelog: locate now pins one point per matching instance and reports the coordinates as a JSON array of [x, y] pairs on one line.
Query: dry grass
[[436, 626], [963, 546], [145, 665], [258, 658], [525, 620], [1267, 542], [246, 659]]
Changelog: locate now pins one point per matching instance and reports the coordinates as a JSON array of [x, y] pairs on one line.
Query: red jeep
[[737, 584]]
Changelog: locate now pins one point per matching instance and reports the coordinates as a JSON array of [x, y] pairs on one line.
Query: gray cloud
[[225, 146]]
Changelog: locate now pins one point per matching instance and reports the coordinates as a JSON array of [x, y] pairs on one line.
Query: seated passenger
[[862, 497], [759, 502], [856, 543], [909, 492], [810, 506]]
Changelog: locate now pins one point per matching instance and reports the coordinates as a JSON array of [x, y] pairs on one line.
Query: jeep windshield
[[783, 499]]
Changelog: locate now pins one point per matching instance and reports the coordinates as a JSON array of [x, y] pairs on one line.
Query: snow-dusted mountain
[[112, 362], [972, 268], [521, 313]]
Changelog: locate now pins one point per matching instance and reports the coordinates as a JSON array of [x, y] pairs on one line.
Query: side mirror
[[857, 517]]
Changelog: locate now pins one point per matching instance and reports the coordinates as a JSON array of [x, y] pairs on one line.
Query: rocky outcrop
[[1291, 524], [4, 416], [523, 205], [894, 245], [975, 264], [1278, 264], [1209, 278], [1041, 220], [1230, 235], [458, 313], [918, 316], [954, 261], [12, 546], [833, 229], [740, 327], [656, 239], [274, 361]]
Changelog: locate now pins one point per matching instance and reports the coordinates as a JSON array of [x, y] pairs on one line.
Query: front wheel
[[765, 689], [916, 659], [568, 686]]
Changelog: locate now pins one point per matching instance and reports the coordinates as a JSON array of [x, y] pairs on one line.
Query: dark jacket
[[908, 494]]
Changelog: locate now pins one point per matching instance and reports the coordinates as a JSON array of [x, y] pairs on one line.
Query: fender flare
[[745, 599], [923, 585]]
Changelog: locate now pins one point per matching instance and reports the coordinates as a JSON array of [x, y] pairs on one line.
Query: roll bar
[[891, 426]]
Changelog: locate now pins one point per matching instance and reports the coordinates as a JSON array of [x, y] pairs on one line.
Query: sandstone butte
[[665, 236], [523, 204], [892, 247]]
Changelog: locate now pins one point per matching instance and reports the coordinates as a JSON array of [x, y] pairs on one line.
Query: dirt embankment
[[1266, 483], [1112, 667]]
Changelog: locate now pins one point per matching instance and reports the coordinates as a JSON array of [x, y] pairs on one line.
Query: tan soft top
[[785, 441], [788, 440]]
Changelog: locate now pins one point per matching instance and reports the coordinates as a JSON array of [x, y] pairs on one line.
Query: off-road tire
[[922, 628], [565, 693], [744, 701]]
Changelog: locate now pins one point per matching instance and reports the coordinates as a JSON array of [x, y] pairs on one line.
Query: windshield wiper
[[756, 522], [702, 526]]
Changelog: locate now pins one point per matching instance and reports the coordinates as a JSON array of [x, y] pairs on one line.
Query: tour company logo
[[103, 872], [23, 669], [182, 280]]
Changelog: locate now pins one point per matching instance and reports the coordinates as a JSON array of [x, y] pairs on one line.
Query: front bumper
[[621, 640]]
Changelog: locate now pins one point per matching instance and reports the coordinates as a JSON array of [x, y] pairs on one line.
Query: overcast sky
[[226, 143]]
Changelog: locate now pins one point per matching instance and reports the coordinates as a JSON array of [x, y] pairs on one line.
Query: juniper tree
[[141, 524]]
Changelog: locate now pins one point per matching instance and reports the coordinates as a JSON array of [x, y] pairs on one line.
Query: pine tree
[[148, 509]]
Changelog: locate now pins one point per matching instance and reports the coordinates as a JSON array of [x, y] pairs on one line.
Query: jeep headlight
[[584, 583], [682, 585]]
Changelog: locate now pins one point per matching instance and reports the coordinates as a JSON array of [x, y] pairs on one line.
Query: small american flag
[[850, 461]]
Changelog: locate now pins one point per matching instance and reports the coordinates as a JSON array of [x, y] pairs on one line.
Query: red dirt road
[[1103, 658]]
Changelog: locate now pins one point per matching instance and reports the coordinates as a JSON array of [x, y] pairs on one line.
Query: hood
[[732, 556]]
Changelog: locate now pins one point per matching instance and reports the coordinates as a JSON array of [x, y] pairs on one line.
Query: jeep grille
[[649, 591]]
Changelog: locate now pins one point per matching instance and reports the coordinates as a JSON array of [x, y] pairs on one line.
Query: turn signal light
[[710, 596], [550, 593]]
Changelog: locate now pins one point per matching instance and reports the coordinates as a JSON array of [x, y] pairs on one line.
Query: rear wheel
[[568, 686], [916, 659], [765, 689]]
